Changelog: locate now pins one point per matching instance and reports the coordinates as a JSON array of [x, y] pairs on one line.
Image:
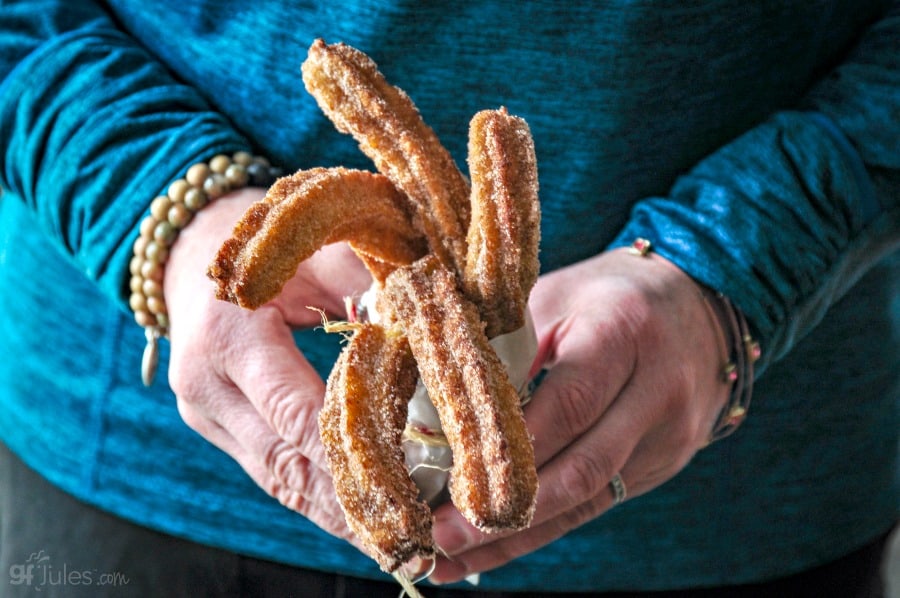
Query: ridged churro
[[303, 212], [493, 482], [504, 234], [361, 426], [354, 94]]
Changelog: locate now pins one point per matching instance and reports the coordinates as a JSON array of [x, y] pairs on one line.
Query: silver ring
[[619, 490]]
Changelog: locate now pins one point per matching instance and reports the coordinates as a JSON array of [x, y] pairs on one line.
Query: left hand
[[634, 386]]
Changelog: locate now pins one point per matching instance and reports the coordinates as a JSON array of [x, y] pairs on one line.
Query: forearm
[[786, 218], [91, 128]]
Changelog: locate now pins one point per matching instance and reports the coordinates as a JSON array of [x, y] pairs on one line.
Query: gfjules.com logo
[[38, 572]]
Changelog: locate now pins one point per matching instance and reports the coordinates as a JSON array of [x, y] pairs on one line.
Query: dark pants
[[53, 545]]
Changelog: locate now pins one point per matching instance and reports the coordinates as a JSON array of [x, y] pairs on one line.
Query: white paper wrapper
[[427, 455]]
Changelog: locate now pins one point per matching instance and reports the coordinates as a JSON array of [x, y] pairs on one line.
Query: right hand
[[238, 377]]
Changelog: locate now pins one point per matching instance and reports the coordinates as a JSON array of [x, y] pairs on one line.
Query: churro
[[301, 213], [361, 426], [493, 482], [504, 234], [354, 94], [452, 265]]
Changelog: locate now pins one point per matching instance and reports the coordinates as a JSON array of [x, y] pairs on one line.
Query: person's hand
[[634, 387], [238, 376]]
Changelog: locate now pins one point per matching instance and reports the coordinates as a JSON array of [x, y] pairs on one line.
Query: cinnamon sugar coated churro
[[453, 266], [503, 238], [355, 96], [361, 426], [300, 214], [493, 481]]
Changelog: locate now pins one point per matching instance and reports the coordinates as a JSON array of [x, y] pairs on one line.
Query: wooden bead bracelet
[[169, 215]]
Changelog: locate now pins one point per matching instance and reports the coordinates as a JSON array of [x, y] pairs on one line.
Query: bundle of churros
[[453, 263]]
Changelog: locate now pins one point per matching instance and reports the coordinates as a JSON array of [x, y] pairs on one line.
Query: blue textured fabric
[[755, 143]]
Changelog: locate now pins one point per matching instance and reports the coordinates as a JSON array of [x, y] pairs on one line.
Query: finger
[[590, 361], [323, 281], [488, 556], [631, 439], [279, 383], [498, 550], [570, 400], [649, 431], [643, 471], [244, 436], [572, 479], [572, 397]]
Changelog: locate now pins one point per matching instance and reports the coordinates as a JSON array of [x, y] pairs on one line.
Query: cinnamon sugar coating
[[300, 214], [361, 425], [354, 94], [493, 482], [504, 234]]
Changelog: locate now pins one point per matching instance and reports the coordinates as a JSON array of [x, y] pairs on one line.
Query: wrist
[[170, 214], [185, 283], [738, 349]]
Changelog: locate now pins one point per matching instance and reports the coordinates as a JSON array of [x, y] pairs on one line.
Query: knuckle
[[191, 417], [577, 406], [502, 553], [290, 416], [331, 521], [578, 516], [288, 497], [584, 476], [292, 500], [288, 467]]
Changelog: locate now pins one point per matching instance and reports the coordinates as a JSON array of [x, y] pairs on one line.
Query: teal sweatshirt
[[756, 143]]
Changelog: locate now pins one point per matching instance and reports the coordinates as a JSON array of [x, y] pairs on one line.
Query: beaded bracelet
[[738, 371], [742, 354], [169, 215]]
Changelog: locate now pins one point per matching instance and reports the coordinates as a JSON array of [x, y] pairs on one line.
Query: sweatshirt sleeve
[[92, 127], [788, 216]]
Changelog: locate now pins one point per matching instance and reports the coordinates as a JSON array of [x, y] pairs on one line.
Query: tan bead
[[162, 320], [197, 173], [151, 288], [242, 158], [135, 283], [220, 163], [178, 189], [164, 233], [179, 216], [140, 245], [237, 176], [156, 252], [134, 266], [137, 302], [195, 199], [144, 318], [216, 186], [156, 306], [159, 206], [147, 225], [152, 270]]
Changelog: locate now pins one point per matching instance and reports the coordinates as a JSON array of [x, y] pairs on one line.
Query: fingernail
[[416, 568], [451, 536], [448, 572]]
